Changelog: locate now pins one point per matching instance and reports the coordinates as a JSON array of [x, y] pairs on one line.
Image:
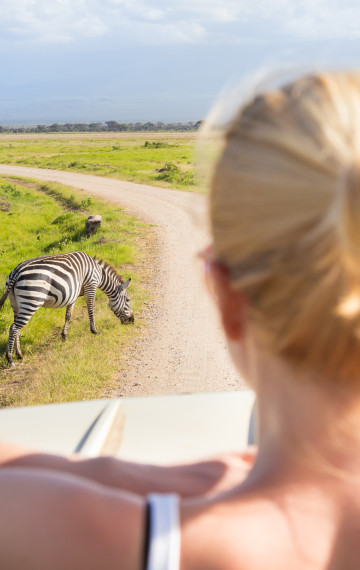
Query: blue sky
[[156, 60]]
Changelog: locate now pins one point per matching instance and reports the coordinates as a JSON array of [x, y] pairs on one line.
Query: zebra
[[55, 281]]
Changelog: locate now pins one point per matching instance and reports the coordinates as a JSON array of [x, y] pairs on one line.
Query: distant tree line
[[108, 126]]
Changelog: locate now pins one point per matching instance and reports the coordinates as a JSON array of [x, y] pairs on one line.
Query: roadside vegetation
[[161, 159], [41, 219]]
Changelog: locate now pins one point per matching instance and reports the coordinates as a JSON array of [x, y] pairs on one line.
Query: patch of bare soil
[[21, 182]]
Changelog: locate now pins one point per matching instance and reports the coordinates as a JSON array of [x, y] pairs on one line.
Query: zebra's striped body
[[57, 281]]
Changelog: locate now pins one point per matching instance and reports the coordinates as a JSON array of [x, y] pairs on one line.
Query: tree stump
[[92, 223]]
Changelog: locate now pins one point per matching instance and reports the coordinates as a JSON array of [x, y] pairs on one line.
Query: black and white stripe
[[57, 281]]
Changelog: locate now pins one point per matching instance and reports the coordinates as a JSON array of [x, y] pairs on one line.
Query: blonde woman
[[284, 268]]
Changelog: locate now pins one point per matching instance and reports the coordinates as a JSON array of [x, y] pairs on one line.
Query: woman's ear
[[232, 304]]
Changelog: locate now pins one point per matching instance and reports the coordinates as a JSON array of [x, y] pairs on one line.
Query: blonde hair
[[285, 213]]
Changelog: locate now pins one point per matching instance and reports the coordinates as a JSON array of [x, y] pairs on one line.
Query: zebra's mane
[[109, 268]]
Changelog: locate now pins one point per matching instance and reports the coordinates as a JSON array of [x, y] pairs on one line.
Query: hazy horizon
[[137, 61]]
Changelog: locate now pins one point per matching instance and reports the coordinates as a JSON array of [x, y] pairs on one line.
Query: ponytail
[[285, 213]]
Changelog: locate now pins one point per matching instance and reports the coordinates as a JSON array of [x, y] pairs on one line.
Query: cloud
[[137, 8], [322, 20], [170, 22], [53, 22]]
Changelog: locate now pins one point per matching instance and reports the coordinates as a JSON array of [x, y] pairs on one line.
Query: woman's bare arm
[[54, 520], [212, 476]]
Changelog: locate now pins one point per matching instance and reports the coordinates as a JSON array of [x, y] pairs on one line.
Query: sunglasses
[[251, 269], [211, 268]]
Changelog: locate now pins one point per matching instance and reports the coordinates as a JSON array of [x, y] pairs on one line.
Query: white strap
[[164, 533]]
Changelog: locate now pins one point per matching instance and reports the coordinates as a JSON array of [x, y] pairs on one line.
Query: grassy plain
[[161, 159], [41, 219]]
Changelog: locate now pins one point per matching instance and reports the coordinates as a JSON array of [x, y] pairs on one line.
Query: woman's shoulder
[[231, 534], [291, 528]]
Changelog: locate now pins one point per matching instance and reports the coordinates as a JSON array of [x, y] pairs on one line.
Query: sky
[[156, 60]]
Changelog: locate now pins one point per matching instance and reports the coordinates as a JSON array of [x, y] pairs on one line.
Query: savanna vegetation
[[108, 126], [40, 219], [162, 159]]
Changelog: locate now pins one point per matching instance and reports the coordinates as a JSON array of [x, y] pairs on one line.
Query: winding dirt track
[[184, 350]]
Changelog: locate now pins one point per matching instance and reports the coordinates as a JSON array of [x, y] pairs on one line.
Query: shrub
[[157, 144], [172, 173]]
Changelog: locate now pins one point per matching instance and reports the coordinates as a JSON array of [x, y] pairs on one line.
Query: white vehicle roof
[[159, 429]]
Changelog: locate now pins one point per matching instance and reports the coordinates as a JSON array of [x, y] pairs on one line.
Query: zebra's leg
[[13, 335], [68, 315], [90, 298], [22, 315], [19, 354], [15, 309]]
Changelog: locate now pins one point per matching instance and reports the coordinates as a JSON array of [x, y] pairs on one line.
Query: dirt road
[[184, 350]]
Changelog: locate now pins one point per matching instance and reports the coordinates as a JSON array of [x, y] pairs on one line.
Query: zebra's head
[[120, 303]]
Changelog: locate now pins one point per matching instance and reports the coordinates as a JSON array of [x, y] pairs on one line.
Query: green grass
[[41, 219], [137, 159]]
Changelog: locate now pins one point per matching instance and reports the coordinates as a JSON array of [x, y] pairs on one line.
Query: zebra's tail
[[8, 289], [3, 298]]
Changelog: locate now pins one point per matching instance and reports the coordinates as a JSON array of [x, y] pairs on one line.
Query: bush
[[157, 144], [86, 203], [172, 173]]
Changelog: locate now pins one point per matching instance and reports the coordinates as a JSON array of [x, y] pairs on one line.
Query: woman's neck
[[305, 428]]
